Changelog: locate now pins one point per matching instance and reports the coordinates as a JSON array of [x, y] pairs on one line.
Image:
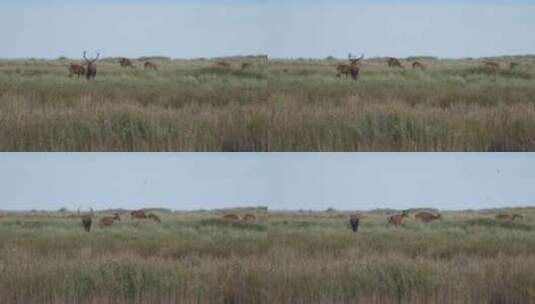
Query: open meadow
[[276, 257], [282, 105]]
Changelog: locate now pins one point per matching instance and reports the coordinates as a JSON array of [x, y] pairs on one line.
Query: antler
[[84, 56], [91, 60]]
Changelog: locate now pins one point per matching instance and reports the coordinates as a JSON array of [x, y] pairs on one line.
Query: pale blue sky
[[312, 28], [277, 180]]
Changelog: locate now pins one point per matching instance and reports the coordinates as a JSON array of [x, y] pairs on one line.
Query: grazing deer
[[154, 217], [249, 217], [418, 65], [76, 69], [342, 68], [125, 63], [231, 217], [427, 217], [393, 62], [108, 220], [91, 69], [87, 220], [150, 65], [138, 214], [354, 220], [397, 219]]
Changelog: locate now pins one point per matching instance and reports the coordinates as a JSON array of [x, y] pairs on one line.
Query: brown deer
[[91, 69], [125, 63], [76, 69], [508, 217], [418, 65], [354, 220], [397, 219], [154, 217], [427, 217], [342, 68], [231, 217], [108, 220], [393, 62], [354, 67], [249, 217], [138, 214], [87, 220], [149, 65]]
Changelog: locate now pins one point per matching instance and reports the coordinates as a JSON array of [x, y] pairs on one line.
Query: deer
[[393, 62], [108, 220], [125, 62], [149, 65], [418, 65], [138, 214], [426, 217], [91, 69], [354, 220], [87, 220], [508, 217], [223, 64], [352, 69], [397, 219], [154, 217], [231, 217], [76, 69]]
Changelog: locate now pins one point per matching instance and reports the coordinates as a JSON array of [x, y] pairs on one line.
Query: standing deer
[[418, 65], [354, 68], [393, 62], [108, 220], [76, 69], [138, 214], [87, 220], [427, 217], [125, 62], [354, 220], [91, 69], [397, 219], [223, 64], [150, 65]]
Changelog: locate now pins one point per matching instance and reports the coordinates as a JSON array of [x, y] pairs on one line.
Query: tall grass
[[455, 105], [280, 258]]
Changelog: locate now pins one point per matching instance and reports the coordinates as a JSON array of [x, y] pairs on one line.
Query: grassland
[[288, 105], [281, 257]]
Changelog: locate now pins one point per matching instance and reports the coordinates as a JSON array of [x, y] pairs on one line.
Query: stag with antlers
[[91, 69], [352, 69]]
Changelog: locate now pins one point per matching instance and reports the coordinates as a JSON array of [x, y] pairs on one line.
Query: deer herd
[[425, 217], [351, 69], [395, 220]]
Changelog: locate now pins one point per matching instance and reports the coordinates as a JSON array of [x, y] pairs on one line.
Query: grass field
[[281, 257], [288, 105]]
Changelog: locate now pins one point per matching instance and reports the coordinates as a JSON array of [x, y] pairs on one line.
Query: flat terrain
[[286, 105], [279, 257]]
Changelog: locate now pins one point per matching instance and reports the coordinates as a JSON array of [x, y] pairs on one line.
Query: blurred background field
[[278, 257], [285, 105]]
